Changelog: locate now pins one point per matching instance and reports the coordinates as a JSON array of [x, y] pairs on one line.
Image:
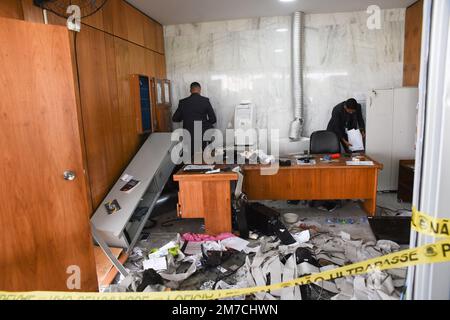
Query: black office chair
[[325, 142]]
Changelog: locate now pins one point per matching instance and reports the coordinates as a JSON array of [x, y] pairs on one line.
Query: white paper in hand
[[356, 140]]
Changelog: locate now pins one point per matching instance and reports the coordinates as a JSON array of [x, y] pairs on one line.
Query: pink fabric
[[192, 237]]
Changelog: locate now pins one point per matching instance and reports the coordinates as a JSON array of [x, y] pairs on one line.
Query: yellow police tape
[[423, 223], [428, 254]]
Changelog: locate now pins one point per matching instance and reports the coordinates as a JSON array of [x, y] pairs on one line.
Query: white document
[[360, 163], [126, 178], [356, 140], [302, 237], [193, 248], [157, 264], [213, 171], [235, 243], [199, 168]]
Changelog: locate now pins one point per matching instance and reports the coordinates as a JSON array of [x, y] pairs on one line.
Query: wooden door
[[162, 107], [44, 219]]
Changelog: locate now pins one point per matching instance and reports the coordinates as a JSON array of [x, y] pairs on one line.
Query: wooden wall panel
[[123, 88], [413, 43], [150, 64], [104, 18], [161, 72], [31, 13], [11, 9], [100, 105], [150, 36], [135, 24], [130, 59], [160, 39], [115, 43], [116, 17]]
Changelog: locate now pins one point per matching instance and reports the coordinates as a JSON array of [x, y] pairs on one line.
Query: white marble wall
[[251, 60]]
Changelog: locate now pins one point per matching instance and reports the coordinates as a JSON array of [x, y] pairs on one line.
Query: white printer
[[245, 124]]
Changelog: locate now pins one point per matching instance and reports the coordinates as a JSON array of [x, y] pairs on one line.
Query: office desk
[[323, 181], [206, 197]]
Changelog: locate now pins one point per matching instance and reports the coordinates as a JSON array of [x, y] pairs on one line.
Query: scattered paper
[[164, 251], [290, 273], [157, 264], [221, 285], [126, 178], [307, 268], [302, 237], [222, 269], [213, 246], [249, 250], [178, 277], [345, 236], [235, 243], [356, 140], [193, 248], [138, 251]]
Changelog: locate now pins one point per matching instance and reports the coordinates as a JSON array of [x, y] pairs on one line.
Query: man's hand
[[346, 143]]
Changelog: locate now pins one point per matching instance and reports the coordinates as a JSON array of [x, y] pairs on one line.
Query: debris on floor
[[199, 262]]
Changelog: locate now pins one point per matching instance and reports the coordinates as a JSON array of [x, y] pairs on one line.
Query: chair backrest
[[325, 142]]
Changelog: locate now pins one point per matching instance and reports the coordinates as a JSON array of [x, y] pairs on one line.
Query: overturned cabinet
[[150, 169]]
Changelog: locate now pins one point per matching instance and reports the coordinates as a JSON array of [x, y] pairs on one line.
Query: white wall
[[251, 60]]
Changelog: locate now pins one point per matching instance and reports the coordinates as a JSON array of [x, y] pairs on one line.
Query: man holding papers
[[348, 123]]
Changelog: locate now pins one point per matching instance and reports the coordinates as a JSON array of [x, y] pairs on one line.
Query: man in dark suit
[[195, 109], [347, 116]]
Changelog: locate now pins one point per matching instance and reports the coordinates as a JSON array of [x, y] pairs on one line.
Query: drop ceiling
[[170, 12]]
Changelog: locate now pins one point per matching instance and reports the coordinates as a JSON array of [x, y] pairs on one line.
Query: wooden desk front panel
[[210, 200], [312, 184], [191, 199]]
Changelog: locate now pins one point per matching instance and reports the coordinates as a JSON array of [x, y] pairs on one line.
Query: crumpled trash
[[208, 285], [387, 246], [192, 237], [150, 278], [270, 262]]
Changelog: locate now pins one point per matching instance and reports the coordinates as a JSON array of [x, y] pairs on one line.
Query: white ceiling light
[[283, 30], [287, 0]]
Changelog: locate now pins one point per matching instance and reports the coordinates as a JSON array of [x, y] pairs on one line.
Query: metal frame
[[108, 252], [432, 185]]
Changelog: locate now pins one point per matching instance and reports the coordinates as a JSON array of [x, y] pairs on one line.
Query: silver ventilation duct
[[298, 36]]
